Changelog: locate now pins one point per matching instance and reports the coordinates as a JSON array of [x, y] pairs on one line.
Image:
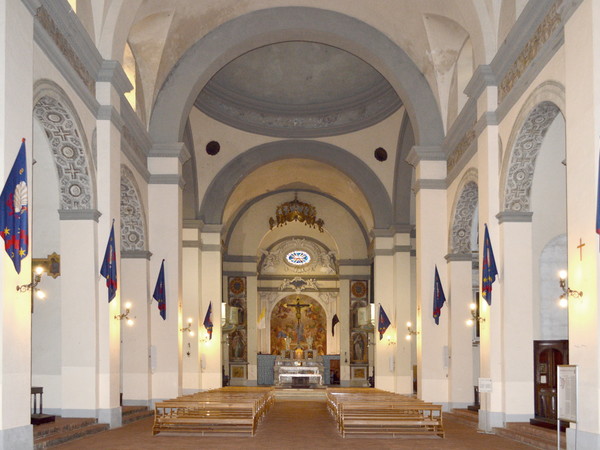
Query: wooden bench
[[381, 413], [227, 412]]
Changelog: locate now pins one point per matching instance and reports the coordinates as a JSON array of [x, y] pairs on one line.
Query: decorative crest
[[296, 211]]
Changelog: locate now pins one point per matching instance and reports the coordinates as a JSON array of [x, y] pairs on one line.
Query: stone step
[[537, 437], [61, 425], [67, 435], [131, 414], [464, 416]]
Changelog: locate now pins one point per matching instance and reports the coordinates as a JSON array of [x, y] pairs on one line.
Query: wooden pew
[[381, 413], [218, 411]]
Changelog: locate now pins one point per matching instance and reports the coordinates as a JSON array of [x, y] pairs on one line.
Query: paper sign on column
[[567, 393]]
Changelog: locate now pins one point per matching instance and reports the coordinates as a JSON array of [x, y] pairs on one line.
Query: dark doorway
[[547, 355]]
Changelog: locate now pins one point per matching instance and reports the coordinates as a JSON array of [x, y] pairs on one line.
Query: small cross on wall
[[580, 247]]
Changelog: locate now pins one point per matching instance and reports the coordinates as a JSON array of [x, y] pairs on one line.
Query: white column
[[136, 339], [517, 323], [402, 302], [342, 330], [491, 362], [252, 330], [16, 94], [582, 86], [79, 317], [431, 245], [191, 306], [460, 295], [165, 225], [111, 85], [385, 349], [210, 291]]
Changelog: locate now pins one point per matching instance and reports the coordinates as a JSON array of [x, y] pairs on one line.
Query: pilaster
[[582, 101], [431, 243], [165, 231], [211, 292], [16, 104]]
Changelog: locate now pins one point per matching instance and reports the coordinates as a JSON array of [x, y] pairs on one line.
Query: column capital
[[453, 257], [514, 216], [482, 78], [112, 72], [420, 153], [170, 150]]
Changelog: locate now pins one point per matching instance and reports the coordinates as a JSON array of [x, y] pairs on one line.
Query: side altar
[[299, 369]]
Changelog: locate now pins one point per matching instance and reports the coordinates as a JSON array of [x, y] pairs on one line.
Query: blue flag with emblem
[[208, 321], [438, 297], [109, 265], [384, 322], [489, 270], [14, 205], [159, 292]]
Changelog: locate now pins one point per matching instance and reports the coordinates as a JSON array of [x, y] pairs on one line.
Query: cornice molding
[[458, 257], [425, 153], [429, 184], [514, 216], [112, 72], [170, 150], [136, 254], [79, 214], [166, 178]]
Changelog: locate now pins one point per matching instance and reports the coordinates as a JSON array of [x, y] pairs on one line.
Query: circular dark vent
[[380, 154], [213, 147]]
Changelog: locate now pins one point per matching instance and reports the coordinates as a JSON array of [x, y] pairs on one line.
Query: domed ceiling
[[298, 89]]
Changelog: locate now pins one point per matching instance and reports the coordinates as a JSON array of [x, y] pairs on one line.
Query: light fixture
[[563, 300], [411, 332], [125, 315], [188, 328], [296, 211], [475, 317], [37, 277]]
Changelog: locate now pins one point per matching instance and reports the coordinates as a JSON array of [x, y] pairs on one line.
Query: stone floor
[[291, 425]]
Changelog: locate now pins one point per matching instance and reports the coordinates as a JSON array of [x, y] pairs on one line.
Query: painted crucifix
[[298, 306]]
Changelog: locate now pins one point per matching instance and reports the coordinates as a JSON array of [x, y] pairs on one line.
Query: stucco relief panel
[[133, 235]]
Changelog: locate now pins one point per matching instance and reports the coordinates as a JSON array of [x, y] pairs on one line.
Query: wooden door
[[547, 356]]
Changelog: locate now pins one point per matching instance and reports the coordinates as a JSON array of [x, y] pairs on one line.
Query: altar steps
[[131, 414], [316, 394], [532, 435]]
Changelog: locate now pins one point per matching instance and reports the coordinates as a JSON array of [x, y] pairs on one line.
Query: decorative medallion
[[297, 258], [237, 285], [359, 289]]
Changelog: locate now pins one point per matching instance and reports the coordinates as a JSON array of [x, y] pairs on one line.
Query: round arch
[[463, 213], [53, 110], [259, 28], [536, 115], [223, 184]]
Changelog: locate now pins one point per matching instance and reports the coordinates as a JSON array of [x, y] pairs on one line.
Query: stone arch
[[463, 212], [223, 184], [536, 116], [133, 218], [247, 32], [53, 110]]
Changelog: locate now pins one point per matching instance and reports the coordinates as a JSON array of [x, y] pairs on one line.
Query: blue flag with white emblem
[[159, 292], [384, 322], [14, 205], [488, 270], [438, 297], [109, 265]]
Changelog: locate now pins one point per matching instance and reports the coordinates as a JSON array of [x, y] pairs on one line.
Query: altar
[[299, 368]]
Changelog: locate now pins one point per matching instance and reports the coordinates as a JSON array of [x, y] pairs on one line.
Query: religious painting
[[237, 345], [359, 349], [298, 321], [238, 371], [359, 373]]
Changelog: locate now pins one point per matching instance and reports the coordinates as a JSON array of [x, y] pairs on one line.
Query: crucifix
[[298, 306], [580, 247]]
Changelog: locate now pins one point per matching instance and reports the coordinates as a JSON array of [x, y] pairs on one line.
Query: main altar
[[299, 369]]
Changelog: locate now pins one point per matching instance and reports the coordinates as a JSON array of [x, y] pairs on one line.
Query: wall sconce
[[410, 332], [567, 291], [205, 339], [125, 315], [475, 317], [188, 328], [37, 277]]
